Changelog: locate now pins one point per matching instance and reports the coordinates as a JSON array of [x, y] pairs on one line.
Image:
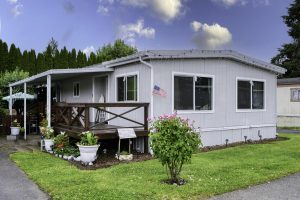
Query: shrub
[[173, 141], [61, 141], [88, 139]]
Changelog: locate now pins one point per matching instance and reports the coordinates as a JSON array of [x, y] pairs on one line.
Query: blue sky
[[253, 27]]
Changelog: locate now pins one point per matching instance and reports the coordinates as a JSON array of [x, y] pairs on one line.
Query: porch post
[[49, 100], [10, 101], [25, 109]]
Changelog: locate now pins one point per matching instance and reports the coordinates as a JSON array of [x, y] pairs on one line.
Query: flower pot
[[48, 144], [15, 130], [88, 153], [126, 157]]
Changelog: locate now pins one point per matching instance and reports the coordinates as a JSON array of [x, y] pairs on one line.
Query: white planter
[[88, 153], [126, 157], [48, 144], [15, 130]]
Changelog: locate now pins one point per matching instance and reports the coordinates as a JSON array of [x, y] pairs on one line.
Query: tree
[[117, 50], [40, 64], [289, 54], [6, 78], [173, 142], [3, 56], [72, 58], [32, 62]]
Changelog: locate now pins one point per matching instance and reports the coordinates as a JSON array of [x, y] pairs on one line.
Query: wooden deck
[[70, 117]]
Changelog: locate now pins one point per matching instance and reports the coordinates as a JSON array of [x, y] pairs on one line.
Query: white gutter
[[152, 85]]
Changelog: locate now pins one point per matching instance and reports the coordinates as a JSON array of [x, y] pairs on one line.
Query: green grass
[[209, 173], [296, 128]]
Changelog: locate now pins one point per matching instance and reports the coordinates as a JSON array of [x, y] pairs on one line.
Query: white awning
[[18, 96]]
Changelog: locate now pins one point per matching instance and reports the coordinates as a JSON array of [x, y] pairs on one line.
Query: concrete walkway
[[14, 184], [287, 188]]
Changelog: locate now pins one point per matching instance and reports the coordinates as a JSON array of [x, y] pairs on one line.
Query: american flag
[[158, 91]]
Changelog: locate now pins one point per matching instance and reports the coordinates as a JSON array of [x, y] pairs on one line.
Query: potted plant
[[125, 156], [15, 127], [48, 138], [88, 147]]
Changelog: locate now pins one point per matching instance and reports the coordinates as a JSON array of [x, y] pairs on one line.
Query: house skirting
[[288, 120], [218, 136]]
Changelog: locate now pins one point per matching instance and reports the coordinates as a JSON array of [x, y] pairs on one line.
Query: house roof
[[151, 55], [194, 54], [288, 81], [62, 73]]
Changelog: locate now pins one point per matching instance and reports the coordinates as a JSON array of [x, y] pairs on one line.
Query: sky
[[252, 27]]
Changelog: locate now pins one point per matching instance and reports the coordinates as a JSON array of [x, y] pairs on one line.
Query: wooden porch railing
[[76, 116]]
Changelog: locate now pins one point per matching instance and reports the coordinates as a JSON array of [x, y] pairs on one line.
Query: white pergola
[[48, 76]]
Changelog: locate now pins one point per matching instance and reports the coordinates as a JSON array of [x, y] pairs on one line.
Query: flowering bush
[[48, 133], [88, 139], [173, 140], [60, 142]]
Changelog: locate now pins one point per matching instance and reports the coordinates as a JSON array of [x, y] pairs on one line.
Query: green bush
[[173, 142]]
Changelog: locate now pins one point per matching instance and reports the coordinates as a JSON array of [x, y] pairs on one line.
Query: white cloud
[[211, 36], [12, 1], [17, 9], [102, 9], [229, 3], [195, 25], [129, 32], [167, 10], [89, 50]]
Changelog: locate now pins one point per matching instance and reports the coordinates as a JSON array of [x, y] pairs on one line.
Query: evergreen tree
[[13, 57], [32, 62], [289, 54], [40, 64], [25, 61], [81, 59], [72, 58], [92, 59], [3, 56], [49, 61], [64, 58]]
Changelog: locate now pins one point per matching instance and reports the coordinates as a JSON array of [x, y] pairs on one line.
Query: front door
[[100, 93]]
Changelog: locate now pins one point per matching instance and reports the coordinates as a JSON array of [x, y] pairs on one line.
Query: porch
[[74, 118]]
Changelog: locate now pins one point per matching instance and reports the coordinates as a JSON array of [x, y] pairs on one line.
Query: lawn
[[209, 173]]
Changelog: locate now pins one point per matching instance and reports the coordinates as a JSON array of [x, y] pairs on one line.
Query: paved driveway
[[287, 188]]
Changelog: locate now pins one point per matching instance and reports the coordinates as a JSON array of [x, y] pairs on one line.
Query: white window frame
[[236, 94], [183, 74], [74, 83], [137, 86]]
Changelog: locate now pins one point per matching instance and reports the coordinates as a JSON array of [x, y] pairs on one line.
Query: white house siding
[[224, 123], [288, 112], [144, 89]]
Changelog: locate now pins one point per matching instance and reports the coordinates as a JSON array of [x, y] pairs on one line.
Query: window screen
[[295, 94]]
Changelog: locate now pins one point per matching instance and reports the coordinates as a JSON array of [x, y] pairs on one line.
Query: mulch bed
[[108, 160], [264, 141]]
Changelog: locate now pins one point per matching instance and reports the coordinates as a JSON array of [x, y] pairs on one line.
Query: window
[[127, 88], [250, 95], [76, 89], [193, 93], [295, 94]]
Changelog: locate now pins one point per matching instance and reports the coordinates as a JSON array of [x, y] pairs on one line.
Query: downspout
[[152, 85]]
